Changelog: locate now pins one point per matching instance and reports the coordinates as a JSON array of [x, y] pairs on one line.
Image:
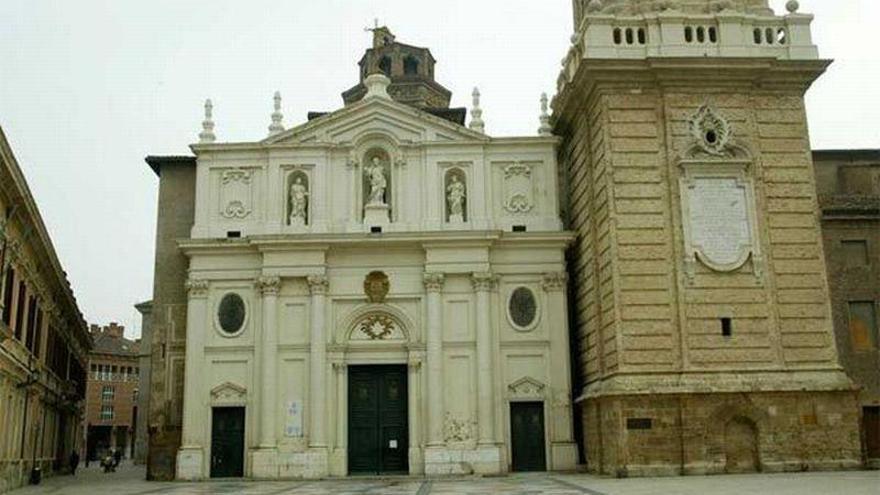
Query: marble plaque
[[293, 426], [719, 221]]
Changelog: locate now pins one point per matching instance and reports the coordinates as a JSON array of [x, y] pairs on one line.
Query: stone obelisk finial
[[477, 123], [277, 125], [207, 134]]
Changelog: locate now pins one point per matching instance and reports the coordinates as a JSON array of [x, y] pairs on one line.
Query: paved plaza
[[129, 481]]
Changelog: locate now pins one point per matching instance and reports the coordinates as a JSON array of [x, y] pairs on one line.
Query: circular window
[[231, 313], [523, 308]]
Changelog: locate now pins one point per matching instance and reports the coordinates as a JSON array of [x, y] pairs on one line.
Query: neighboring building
[[112, 393], [849, 197], [378, 290], [704, 329], [143, 403], [43, 340]]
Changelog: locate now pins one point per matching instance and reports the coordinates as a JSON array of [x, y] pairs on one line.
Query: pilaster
[[190, 457], [264, 459], [318, 287], [484, 284], [434, 289]]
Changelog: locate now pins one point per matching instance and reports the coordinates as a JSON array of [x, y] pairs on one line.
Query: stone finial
[[207, 134], [477, 123], [277, 126], [594, 6], [377, 86], [792, 6], [545, 129]]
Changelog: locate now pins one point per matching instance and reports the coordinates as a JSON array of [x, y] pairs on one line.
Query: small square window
[[854, 252], [107, 413], [726, 327]]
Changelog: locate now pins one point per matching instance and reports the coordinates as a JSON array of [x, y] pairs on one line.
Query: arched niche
[[298, 211], [377, 157], [455, 195]]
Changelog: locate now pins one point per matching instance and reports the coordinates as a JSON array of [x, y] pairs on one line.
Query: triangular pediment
[[526, 387], [374, 115]]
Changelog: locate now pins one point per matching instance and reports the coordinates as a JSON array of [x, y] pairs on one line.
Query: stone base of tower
[[712, 433]]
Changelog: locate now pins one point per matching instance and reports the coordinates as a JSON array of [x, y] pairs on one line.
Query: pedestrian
[[117, 457], [74, 462]]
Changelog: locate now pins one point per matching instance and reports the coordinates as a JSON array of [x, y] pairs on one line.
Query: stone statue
[[455, 199], [298, 202], [376, 174]]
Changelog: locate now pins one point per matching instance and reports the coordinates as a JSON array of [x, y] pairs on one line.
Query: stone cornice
[[311, 242], [595, 75], [704, 382]]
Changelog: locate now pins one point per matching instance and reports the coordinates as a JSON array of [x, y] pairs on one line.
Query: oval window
[[231, 313], [523, 307]]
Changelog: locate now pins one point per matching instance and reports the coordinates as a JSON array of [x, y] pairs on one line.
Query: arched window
[[385, 66], [410, 66]]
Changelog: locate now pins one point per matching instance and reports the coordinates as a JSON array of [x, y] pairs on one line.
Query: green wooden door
[[377, 420], [527, 436], [227, 442]]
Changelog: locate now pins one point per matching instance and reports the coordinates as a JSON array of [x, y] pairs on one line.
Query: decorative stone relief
[[434, 281], [711, 131], [268, 284], [518, 188], [318, 284], [526, 388], [197, 288], [236, 193], [229, 393], [377, 326], [717, 198], [376, 287], [484, 281], [457, 429], [554, 281]]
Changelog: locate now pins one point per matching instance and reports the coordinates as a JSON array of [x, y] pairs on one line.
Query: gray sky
[[89, 87]]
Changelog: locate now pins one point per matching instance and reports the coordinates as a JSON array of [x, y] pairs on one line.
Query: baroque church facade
[[384, 289]]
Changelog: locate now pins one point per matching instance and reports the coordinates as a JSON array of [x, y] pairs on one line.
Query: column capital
[[339, 366], [434, 281], [318, 284], [197, 288], [484, 281], [268, 285], [554, 281]]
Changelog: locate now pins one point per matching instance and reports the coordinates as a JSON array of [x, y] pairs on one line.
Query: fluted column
[[194, 403], [318, 285], [483, 284], [268, 352], [434, 287]]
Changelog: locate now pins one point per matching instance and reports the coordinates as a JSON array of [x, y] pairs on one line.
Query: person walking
[[74, 462], [117, 458]]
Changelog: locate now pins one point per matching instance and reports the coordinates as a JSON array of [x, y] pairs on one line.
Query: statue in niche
[[375, 172], [299, 201], [455, 197]]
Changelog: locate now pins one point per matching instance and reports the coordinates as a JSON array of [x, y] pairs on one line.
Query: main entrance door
[[227, 442], [377, 420], [527, 436]]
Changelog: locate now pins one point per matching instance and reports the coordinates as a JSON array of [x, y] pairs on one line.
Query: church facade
[[384, 289], [378, 290]]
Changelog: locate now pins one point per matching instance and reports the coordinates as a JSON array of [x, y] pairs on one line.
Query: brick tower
[[701, 305]]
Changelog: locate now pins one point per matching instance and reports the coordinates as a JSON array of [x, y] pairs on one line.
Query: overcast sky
[[88, 88]]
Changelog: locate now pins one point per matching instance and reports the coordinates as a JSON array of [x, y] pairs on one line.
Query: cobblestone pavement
[[129, 481]]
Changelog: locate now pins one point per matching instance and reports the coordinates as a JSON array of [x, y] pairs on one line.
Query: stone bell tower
[[702, 315], [410, 68]]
